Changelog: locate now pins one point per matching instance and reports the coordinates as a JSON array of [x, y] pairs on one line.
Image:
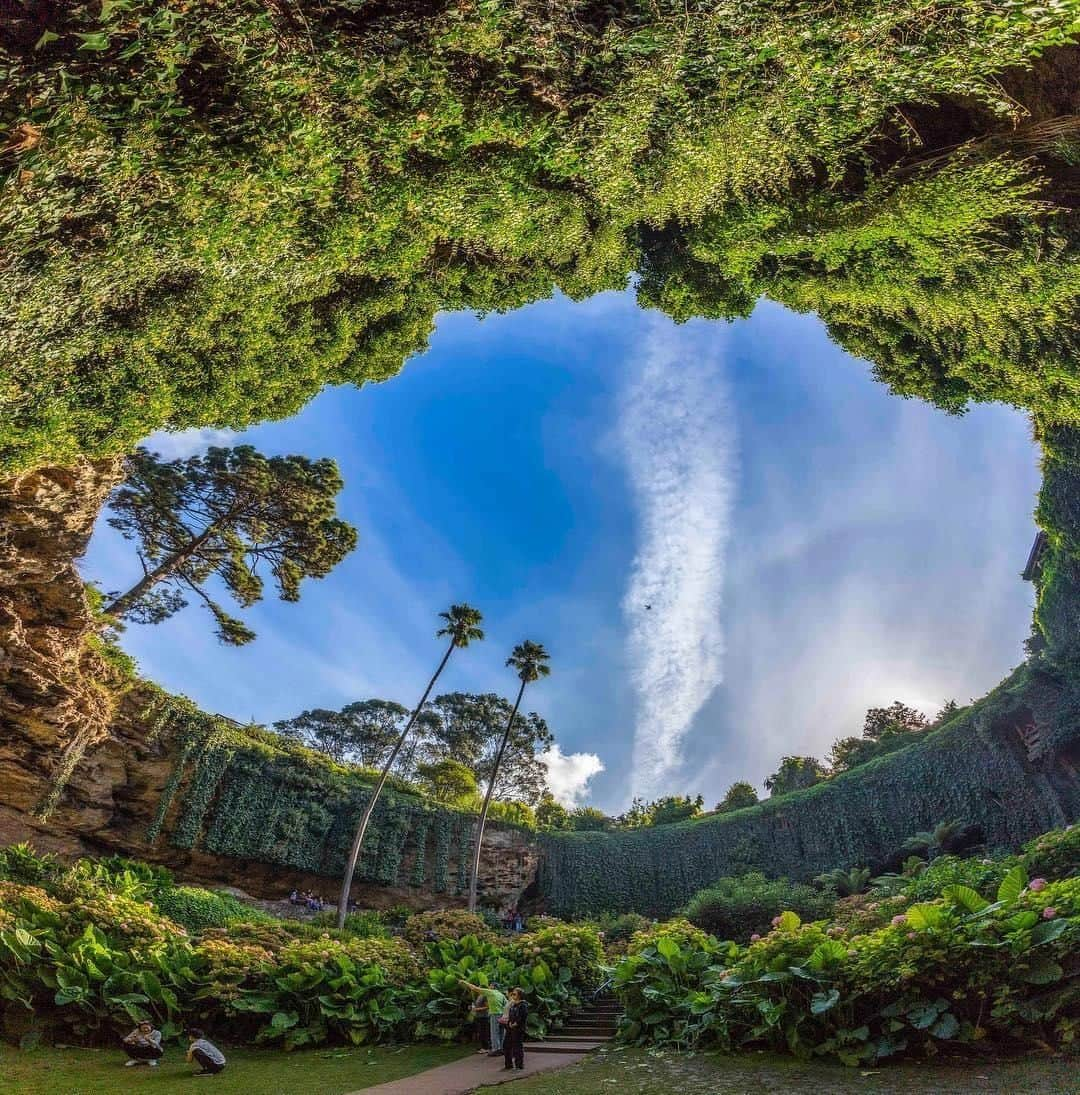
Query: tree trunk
[[123, 603], [358, 840], [482, 820]]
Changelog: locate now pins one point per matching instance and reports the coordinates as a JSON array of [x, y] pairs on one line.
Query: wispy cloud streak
[[677, 436]]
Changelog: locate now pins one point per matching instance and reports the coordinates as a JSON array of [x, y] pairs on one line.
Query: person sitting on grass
[[204, 1053], [498, 1009], [143, 1045], [514, 1038]]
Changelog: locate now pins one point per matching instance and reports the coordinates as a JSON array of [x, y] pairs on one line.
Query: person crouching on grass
[[514, 1037], [143, 1045], [204, 1053]]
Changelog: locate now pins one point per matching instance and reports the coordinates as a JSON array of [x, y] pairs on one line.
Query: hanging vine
[[444, 829], [420, 830]]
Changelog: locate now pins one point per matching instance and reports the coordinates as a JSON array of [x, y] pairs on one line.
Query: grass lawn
[[47, 1071], [639, 1072]]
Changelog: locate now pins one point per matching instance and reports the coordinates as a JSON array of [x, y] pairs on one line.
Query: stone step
[[569, 1036], [603, 1031], [562, 1047]]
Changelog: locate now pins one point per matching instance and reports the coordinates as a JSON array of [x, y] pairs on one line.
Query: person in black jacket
[[514, 1041]]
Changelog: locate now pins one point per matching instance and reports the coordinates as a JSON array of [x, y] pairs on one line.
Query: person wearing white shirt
[[143, 1045], [204, 1053]]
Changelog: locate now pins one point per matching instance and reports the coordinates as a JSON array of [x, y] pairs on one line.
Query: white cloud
[[184, 443], [678, 441], [569, 773]]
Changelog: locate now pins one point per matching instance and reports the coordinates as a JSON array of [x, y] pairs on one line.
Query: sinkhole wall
[[1004, 765]]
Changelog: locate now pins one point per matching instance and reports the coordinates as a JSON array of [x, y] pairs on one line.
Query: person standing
[[498, 1011], [481, 1021], [143, 1045], [514, 1039], [203, 1052]]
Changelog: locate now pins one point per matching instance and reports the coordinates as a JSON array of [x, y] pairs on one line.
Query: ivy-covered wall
[[242, 792], [975, 768]]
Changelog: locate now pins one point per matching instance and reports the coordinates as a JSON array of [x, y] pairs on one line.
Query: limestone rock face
[[53, 705]]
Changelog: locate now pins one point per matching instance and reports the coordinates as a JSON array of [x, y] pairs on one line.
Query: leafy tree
[[360, 733], [552, 814], [468, 728], [229, 513], [637, 816], [448, 781], [672, 808], [898, 718], [738, 795], [529, 660], [514, 813], [885, 730], [795, 774], [948, 709], [846, 753], [588, 819], [463, 627]]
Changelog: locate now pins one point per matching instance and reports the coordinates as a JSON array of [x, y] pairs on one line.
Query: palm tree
[[945, 835], [529, 659], [463, 627]]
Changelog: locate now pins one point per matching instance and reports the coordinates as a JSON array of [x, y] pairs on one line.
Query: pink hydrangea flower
[[755, 937], [1037, 884], [898, 920], [776, 921], [912, 935], [1049, 912]]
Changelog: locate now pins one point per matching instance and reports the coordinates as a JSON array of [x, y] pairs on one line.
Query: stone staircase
[[587, 1029]]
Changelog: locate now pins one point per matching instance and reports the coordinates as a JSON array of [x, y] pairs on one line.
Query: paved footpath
[[460, 1077]]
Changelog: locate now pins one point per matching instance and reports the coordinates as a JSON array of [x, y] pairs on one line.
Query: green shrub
[[198, 909], [736, 908], [883, 978], [1055, 854], [363, 924], [979, 872], [445, 924], [20, 863]]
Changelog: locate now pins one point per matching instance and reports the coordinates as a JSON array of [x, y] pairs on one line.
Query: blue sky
[[810, 545]]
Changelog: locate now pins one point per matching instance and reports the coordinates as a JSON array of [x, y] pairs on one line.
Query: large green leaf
[[1048, 931], [822, 1002], [789, 921], [922, 917], [1042, 971], [667, 947], [965, 897], [1012, 885]]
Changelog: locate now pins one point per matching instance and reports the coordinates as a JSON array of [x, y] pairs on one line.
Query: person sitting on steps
[[204, 1053], [514, 1039], [143, 1045]]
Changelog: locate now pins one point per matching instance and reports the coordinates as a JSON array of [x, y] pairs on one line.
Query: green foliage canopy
[[225, 513]]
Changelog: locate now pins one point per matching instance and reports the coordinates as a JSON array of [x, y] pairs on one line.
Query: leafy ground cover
[[87, 950], [74, 1071], [637, 1072], [967, 952]]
